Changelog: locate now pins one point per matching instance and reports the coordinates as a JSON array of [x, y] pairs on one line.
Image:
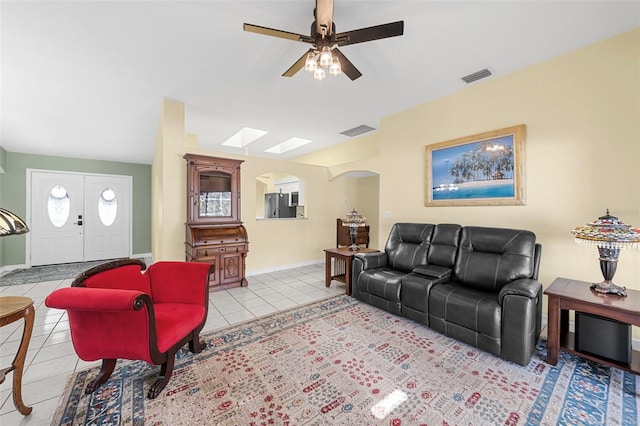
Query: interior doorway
[[77, 217]]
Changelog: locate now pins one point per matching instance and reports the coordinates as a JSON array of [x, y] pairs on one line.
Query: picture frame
[[485, 169]]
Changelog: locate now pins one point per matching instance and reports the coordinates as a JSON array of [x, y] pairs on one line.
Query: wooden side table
[[342, 265], [566, 294], [13, 308]]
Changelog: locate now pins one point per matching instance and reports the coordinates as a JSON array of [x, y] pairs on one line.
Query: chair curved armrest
[[523, 287], [97, 299], [109, 323]]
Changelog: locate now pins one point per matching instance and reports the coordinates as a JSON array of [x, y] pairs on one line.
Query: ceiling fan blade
[[277, 33], [324, 16], [297, 66], [347, 67], [377, 32]]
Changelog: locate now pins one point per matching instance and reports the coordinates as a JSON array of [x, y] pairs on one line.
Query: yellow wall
[[582, 117], [274, 243]]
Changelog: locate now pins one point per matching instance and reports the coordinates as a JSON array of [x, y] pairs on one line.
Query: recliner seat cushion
[[473, 309], [383, 282]]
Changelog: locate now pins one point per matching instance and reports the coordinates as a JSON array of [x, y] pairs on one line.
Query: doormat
[[37, 274]]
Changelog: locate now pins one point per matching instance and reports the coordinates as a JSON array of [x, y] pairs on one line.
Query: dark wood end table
[[13, 308], [566, 294], [342, 265]]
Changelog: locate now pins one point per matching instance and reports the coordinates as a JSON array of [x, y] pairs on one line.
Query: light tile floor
[[51, 358]]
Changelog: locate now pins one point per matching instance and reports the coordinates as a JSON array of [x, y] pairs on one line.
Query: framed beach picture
[[478, 170]]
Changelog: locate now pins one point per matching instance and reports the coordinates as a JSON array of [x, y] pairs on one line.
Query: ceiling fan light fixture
[[335, 69], [319, 74], [310, 64], [326, 58]]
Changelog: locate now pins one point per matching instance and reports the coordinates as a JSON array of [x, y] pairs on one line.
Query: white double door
[[79, 217]]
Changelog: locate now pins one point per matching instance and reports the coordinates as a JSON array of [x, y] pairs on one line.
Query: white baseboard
[[252, 272]]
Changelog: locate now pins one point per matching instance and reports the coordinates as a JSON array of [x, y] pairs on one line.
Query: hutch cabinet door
[[213, 189]]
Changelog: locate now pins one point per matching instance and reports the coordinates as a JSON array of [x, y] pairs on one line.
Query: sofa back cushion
[[489, 258], [408, 245], [444, 245]]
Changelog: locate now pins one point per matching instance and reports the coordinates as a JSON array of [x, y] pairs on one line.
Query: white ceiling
[[86, 79]]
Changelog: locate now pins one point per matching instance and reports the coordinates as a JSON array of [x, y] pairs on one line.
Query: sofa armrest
[[521, 302], [362, 261], [433, 271], [523, 287], [372, 260]]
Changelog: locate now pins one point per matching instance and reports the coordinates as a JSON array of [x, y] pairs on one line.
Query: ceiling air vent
[[476, 76], [357, 130]]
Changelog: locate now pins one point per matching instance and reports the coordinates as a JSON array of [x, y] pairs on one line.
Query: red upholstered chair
[[116, 311]]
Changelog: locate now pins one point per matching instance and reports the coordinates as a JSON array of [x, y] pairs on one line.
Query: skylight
[[287, 145], [244, 137]]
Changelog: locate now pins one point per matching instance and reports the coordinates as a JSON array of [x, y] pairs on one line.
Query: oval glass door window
[[107, 207], [58, 206]]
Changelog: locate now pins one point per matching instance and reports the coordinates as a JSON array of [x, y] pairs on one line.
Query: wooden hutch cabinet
[[214, 230]]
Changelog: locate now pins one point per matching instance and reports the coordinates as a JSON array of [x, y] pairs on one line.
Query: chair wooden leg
[[166, 370], [195, 344], [108, 365]]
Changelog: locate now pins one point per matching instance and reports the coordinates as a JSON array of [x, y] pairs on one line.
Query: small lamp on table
[[609, 235], [353, 220]]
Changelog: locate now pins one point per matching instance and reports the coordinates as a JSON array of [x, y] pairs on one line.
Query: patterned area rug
[[342, 362]]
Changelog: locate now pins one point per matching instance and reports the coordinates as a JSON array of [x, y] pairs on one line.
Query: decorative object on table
[[353, 220], [343, 236], [485, 169], [610, 235], [10, 224]]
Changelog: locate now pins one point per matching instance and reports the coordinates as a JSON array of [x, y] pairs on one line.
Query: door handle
[[79, 222]]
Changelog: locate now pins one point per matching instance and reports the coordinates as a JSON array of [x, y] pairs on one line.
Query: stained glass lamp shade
[[609, 235]]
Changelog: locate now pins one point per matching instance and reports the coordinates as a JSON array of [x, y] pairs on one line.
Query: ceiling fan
[[325, 42]]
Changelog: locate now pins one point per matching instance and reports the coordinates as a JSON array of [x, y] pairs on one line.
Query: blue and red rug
[[342, 362]]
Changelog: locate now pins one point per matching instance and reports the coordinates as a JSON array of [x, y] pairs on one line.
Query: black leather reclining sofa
[[475, 284]]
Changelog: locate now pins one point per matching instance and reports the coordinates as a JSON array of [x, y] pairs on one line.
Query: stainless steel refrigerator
[[276, 205]]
